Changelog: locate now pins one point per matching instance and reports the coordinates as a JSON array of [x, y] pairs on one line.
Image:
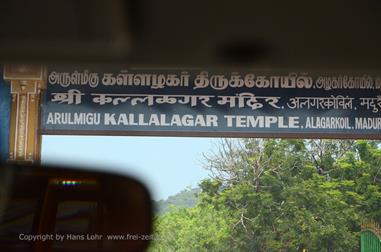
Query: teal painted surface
[[5, 102], [370, 242]]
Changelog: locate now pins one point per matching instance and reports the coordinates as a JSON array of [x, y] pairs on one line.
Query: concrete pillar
[[26, 83]]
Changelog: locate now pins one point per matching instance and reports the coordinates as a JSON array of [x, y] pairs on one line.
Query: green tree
[[201, 228], [279, 195]]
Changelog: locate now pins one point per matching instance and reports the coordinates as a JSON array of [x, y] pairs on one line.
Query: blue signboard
[[5, 103], [198, 102]]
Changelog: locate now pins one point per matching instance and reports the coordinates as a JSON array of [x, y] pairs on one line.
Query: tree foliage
[[279, 195]]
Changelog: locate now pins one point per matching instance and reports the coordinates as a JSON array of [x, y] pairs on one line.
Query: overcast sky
[[166, 165]]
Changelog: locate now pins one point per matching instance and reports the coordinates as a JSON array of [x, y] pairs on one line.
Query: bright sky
[[166, 165]]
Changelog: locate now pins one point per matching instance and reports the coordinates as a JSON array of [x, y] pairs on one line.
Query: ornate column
[[26, 83]]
